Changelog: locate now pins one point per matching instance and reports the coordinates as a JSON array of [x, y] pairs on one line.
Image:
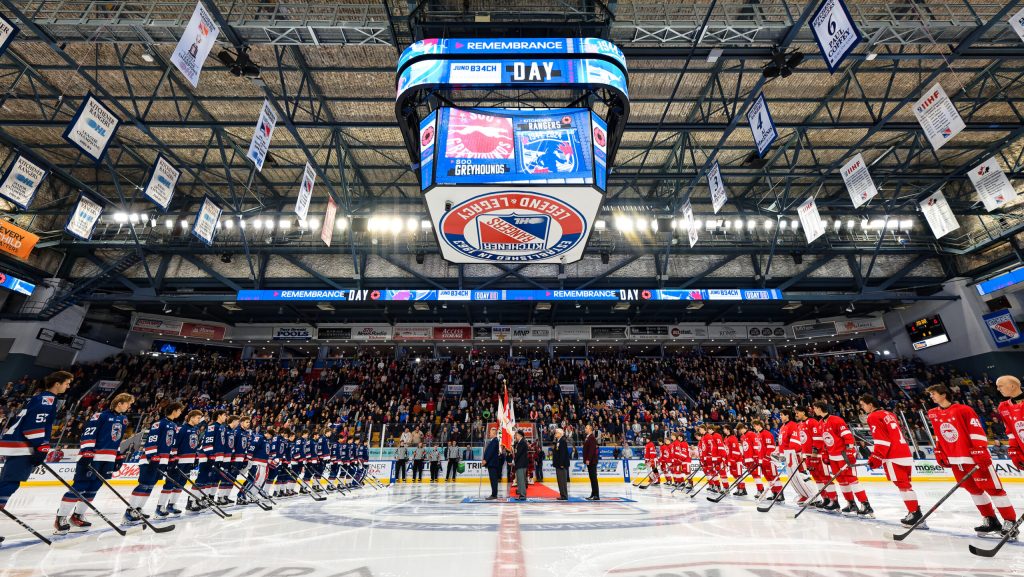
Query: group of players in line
[[822, 448], [272, 462]]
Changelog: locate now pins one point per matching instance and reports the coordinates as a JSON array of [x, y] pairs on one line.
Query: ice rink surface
[[430, 530]]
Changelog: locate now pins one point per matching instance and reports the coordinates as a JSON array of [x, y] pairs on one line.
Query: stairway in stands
[[72, 293]]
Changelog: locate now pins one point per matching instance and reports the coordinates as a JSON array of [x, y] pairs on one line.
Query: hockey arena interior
[[516, 288]]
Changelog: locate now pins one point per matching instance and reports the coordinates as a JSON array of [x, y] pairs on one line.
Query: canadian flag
[[506, 421]]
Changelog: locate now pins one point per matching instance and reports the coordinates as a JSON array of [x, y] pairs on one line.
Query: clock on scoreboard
[[927, 332]]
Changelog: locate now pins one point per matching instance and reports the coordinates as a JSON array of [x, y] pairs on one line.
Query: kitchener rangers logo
[[949, 432], [513, 226]]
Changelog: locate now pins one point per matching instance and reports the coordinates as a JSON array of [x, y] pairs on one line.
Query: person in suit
[[590, 458], [521, 461], [494, 460], [560, 460]]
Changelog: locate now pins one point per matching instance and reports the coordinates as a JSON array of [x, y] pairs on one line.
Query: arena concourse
[[511, 289]]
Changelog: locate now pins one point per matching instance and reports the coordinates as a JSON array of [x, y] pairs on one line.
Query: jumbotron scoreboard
[[512, 184]]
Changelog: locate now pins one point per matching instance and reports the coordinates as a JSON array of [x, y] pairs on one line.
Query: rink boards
[[609, 471]]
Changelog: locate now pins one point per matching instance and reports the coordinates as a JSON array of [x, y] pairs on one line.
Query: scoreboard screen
[[927, 332]]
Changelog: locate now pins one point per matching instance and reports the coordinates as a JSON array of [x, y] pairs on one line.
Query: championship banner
[[1003, 329], [992, 185], [1016, 22], [691, 229], [84, 218], [762, 127], [327, 231], [305, 192], [717, 188], [205, 226], [162, 180], [7, 33], [195, 44], [858, 181], [92, 128], [939, 215], [835, 32], [810, 220], [21, 181], [938, 117], [261, 136], [16, 284]]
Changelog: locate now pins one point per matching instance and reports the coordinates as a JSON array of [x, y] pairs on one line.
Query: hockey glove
[[1017, 457], [982, 458], [874, 462], [118, 461], [940, 457], [39, 455], [850, 456]]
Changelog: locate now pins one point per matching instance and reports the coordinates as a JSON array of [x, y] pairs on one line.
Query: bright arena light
[[624, 224]]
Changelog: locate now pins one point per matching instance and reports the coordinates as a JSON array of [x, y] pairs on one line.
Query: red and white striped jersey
[[1013, 417], [890, 445]]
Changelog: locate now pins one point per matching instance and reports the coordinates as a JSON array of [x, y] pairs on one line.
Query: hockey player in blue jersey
[[321, 457], [332, 474], [98, 454], [153, 463], [276, 451], [26, 440], [212, 452], [232, 445], [296, 459], [308, 459], [258, 458], [186, 454], [364, 459]]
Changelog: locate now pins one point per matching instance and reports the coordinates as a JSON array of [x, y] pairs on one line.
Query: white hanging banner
[[938, 214], [762, 127], [205, 227], [21, 181], [938, 117], [327, 232], [835, 32], [1017, 23], [260, 144], [305, 192], [717, 188], [162, 180], [92, 128], [7, 33], [691, 230], [858, 181], [195, 44], [84, 218], [992, 185], [810, 220]]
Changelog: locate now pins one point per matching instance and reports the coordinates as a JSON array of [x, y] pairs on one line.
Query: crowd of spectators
[[626, 399]]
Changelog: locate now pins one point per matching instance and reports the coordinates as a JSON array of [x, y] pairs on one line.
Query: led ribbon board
[[516, 184], [512, 295]]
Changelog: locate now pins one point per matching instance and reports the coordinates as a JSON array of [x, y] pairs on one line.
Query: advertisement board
[[202, 331], [16, 284], [293, 333]]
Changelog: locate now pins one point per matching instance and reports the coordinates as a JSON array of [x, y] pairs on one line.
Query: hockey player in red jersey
[[717, 448], [734, 461], [841, 452], [765, 465], [812, 447], [790, 448], [682, 453], [750, 445], [1011, 411], [651, 458], [892, 453], [703, 451], [960, 444], [665, 460]]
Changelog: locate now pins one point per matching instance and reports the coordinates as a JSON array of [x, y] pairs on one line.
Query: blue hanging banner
[[7, 33], [762, 126], [1003, 329], [92, 128], [835, 32]]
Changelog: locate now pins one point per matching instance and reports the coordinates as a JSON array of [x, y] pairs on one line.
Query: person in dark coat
[[494, 460], [590, 458], [522, 461], [560, 460]]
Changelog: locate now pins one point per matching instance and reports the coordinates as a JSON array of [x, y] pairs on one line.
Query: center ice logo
[[513, 232], [949, 432]]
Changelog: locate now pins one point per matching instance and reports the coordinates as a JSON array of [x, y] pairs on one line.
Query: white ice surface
[[427, 531]]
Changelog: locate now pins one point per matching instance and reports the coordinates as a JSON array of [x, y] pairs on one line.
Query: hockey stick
[[706, 481], [88, 503], [302, 483], [145, 521], [792, 474], [235, 482], [738, 480], [687, 480], [1006, 538], [948, 494], [822, 490], [641, 481], [249, 478], [25, 526], [223, 514]]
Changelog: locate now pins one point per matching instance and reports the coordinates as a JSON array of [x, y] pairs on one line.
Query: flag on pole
[[506, 421]]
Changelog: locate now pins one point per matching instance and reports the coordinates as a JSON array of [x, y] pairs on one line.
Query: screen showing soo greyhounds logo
[[513, 226]]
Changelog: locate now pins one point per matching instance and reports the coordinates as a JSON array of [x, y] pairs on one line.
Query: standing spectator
[[494, 459], [406, 437], [560, 459], [419, 454], [401, 460], [453, 454], [521, 462], [416, 437], [590, 458]]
